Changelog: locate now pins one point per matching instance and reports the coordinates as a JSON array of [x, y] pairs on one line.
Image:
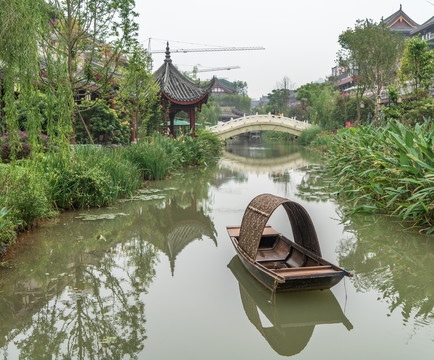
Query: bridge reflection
[[237, 163]]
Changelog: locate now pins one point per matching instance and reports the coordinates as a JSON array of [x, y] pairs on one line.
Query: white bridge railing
[[259, 122]]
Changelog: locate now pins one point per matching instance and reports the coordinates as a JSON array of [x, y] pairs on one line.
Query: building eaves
[[429, 22]]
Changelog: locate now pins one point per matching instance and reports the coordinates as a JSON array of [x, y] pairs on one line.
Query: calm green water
[[157, 277]]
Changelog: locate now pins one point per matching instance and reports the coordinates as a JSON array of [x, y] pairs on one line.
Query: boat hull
[[293, 284]]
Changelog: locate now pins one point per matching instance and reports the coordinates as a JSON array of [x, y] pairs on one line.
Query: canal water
[[156, 277]]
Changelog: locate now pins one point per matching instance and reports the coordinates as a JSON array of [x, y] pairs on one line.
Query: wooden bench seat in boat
[[305, 271]]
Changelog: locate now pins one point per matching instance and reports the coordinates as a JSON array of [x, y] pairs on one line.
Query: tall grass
[[389, 169], [124, 175], [155, 158]]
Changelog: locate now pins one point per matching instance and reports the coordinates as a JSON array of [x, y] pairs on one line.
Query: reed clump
[[387, 169]]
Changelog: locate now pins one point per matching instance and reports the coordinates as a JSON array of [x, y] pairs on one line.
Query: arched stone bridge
[[257, 122]]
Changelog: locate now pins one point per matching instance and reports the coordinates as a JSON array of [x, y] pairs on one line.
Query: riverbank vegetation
[[388, 169], [88, 176], [380, 159], [73, 75]]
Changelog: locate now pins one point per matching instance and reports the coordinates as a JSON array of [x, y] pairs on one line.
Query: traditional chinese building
[[178, 93], [426, 32], [222, 88], [399, 22]]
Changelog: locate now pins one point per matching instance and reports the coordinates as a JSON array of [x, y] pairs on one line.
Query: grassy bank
[[89, 176], [389, 169]]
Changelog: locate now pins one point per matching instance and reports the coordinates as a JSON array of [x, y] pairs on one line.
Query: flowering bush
[[20, 135], [22, 146]]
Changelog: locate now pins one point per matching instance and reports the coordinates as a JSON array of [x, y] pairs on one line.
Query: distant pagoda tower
[[178, 93]]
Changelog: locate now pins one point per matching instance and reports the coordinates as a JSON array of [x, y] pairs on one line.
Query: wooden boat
[[277, 262]]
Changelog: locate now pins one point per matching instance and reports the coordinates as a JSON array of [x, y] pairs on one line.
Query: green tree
[[320, 113], [90, 37], [22, 24], [417, 66], [306, 93], [137, 89], [316, 100], [240, 87], [210, 113], [279, 97], [371, 53], [279, 100]]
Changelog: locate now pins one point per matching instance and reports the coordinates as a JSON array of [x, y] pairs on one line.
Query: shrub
[[308, 135], [323, 140], [103, 123], [7, 229], [277, 135], [22, 151], [24, 193], [196, 150]]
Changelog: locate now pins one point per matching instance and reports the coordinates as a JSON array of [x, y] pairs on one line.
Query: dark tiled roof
[[429, 22], [225, 85], [176, 86], [392, 18]]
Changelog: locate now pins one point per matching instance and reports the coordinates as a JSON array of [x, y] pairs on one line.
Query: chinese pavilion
[[179, 93]]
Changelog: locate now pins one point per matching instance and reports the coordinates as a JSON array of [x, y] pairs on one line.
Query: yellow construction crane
[[203, 49], [215, 69]]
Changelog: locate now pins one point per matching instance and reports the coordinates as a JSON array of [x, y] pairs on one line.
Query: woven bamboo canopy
[[256, 217]]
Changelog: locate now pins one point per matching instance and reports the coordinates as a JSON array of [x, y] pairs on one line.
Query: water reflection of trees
[[93, 311], [80, 293], [396, 263], [314, 185]]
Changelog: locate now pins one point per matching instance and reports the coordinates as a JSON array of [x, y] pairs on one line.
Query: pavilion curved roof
[[176, 86]]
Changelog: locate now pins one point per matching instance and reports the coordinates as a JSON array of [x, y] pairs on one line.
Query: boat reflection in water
[[291, 316]]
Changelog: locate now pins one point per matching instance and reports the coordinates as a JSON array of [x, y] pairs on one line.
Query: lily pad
[[93, 217], [145, 198]]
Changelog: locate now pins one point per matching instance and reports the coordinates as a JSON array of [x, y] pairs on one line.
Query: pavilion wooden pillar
[[192, 121], [165, 115], [172, 124]]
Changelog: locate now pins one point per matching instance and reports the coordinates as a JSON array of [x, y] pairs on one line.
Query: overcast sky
[[299, 36]]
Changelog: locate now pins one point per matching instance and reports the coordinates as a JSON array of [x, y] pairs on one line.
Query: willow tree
[[371, 54], [22, 24], [90, 35]]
